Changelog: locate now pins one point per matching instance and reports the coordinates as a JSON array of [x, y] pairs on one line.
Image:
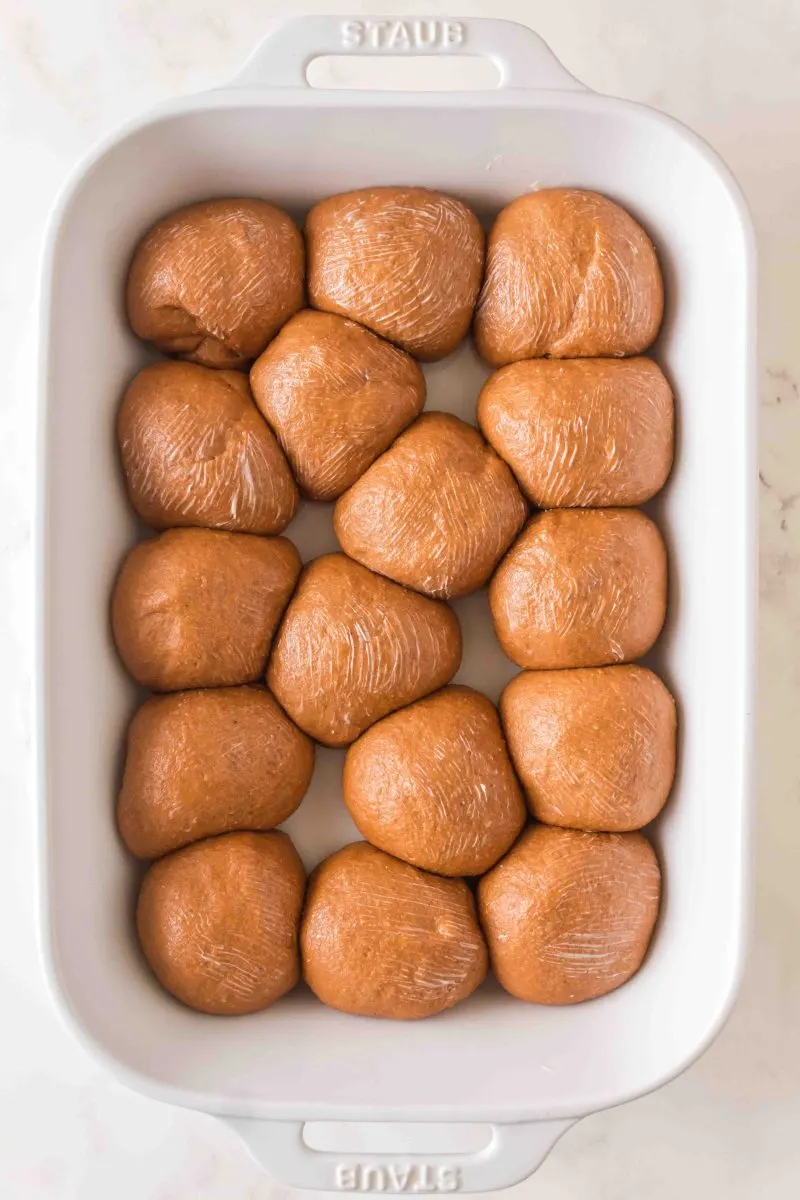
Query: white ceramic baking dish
[[414, 1091]]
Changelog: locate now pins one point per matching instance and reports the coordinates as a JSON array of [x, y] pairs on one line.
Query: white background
[[71, 72]]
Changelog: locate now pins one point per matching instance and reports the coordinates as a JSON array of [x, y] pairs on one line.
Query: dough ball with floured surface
[[569, 274], [581, 588], [404, 261], [336, 396], [207, 762], [214, 281], [594, 748], [433, 784], [568, 915], [381, 938], [585, 433], [354, 647], [436, 512], [218, 921], [196, 451], [199, 607]]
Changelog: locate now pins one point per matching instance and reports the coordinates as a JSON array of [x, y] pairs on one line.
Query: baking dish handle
[[522, 59], [513, 1152]]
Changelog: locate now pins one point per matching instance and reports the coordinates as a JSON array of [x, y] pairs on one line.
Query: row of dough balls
[[198, 447], [227, 924], [196, 608], [567, 273], [442, 783], [203, 609]]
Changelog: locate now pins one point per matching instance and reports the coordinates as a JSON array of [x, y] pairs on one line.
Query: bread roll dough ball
[[569, 915], [404, 261], [354, 647], [207, 762], [433, 784], [569, 274], [196, 451], [214, 281], [436, 512], [581, 588], [198, 608], [337, 396], [381, 938], [587, 433], [218, 921], [594, 748]]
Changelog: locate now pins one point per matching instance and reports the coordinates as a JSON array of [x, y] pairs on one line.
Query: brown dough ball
[[353, 647], [208, 762], [581, 588], [381, 938], [569, 915], [587, 433], [337, 396], [405, 262], [214, 281], [218, 921], [436, 512], [569, 274], [433, 784], [198, 608], [196, 451], [594, 748]]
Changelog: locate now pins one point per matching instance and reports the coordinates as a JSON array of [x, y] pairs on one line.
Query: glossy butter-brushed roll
[[568, 915], [354, 647], [581, 588], [196, 451], [404, 261], [436, 512], [381, 938], [594, 748], [433, 784], [214, 281], [591, 432], [198, 607], [207, 762], [569, 274], [218, 921], [336, 396]]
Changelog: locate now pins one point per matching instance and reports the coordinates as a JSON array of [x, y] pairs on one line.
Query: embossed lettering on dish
[[397, 1177], [414, 35]]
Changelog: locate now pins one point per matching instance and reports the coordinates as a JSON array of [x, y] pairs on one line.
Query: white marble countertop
[[70, 73]]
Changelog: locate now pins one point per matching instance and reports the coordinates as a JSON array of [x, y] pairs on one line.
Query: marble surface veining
[[70, 73]]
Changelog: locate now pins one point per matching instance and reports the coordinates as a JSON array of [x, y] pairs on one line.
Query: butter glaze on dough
[[381, 938], [594, 748], [581, 433], [206, 762], [196, 451], [218, 921], [199, 607], [336, 396], [436, 512], [569, 915], [569, 274], [433, 784], [406, 262], [354, 647], [212, 282], [581, 587]]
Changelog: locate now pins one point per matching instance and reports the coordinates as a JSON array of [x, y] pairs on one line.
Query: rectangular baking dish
[[526, 1071]]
